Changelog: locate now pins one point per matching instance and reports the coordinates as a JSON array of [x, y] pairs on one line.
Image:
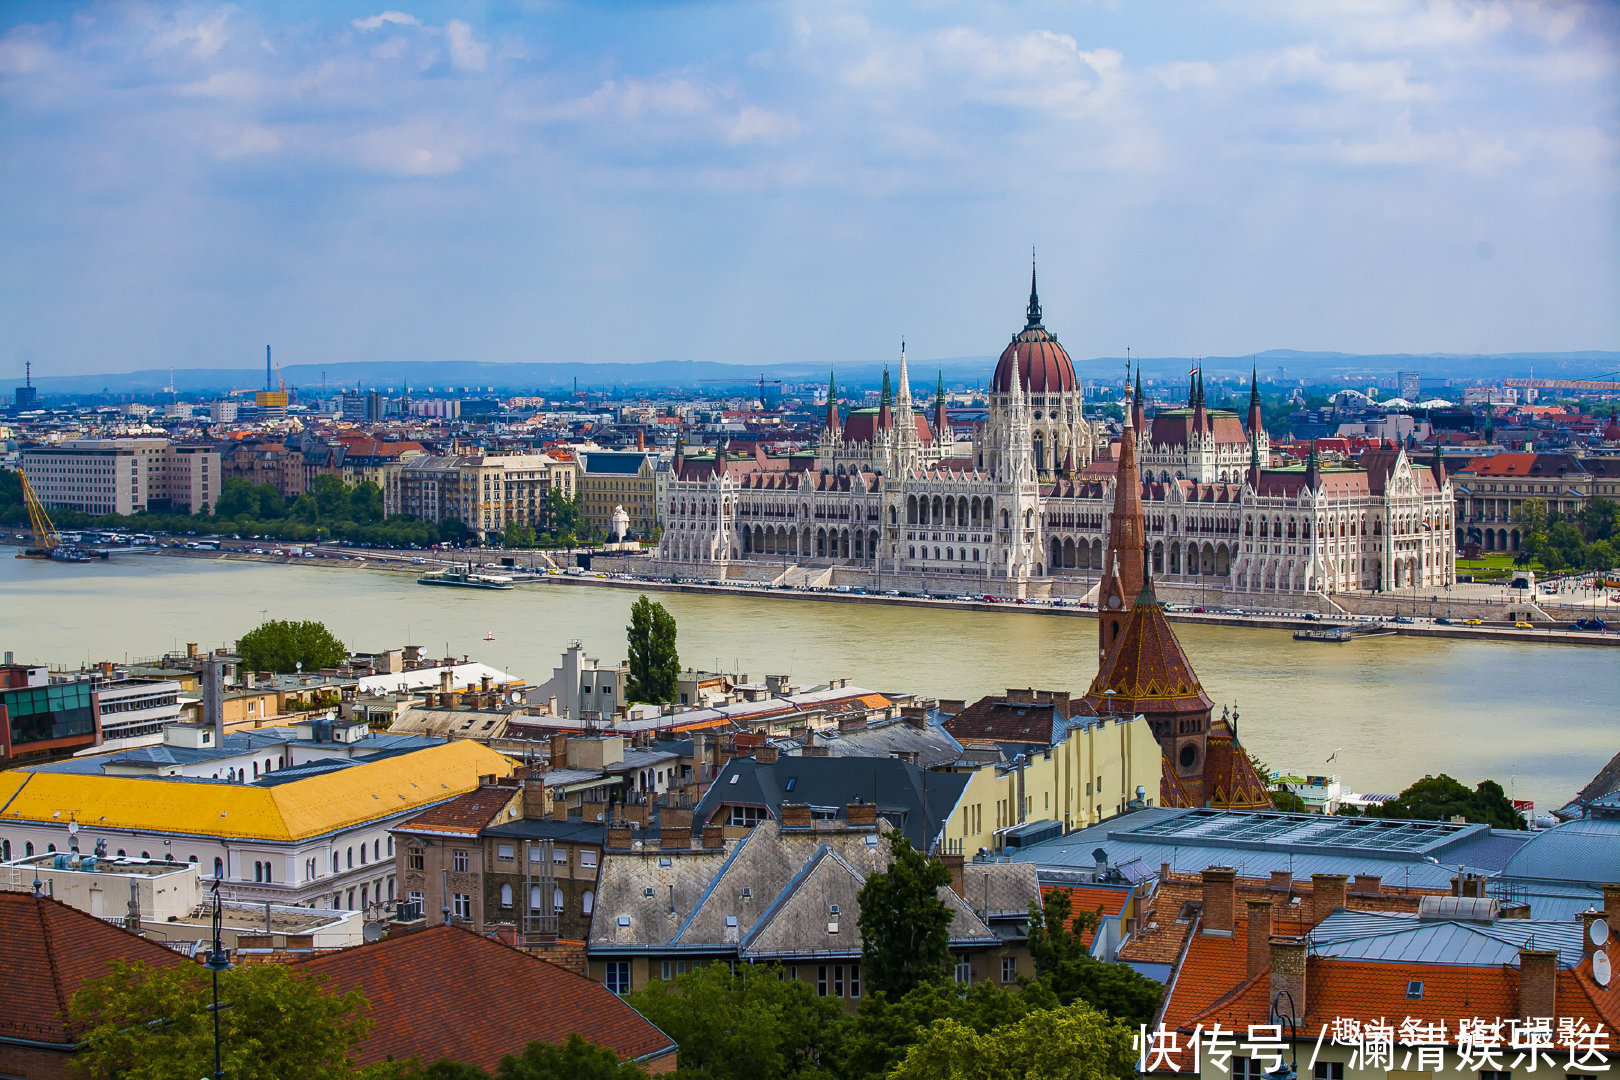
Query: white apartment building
[[482, 491], [134, 711]]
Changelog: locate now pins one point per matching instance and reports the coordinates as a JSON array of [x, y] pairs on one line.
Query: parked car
[[1473, 622], [1588, 624], [1442, 621], [1522, 625]]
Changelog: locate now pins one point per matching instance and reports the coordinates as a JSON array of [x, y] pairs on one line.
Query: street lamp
[[218, 961], [1285, 1070]]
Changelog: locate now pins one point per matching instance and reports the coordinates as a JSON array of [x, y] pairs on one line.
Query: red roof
[[465, 814], [1043, 365], [52, 950], [445, 992], [1101, 901]]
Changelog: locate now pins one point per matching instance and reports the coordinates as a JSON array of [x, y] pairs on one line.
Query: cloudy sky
[[802, 181]]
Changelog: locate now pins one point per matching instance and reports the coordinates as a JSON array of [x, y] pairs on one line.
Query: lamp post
[[1285, 1070], [218, 960]]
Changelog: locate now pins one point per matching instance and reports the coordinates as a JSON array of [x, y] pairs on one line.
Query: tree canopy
[[1065, 965], [1440, 798], [283, 646], [905, 926], [144, 1023], [655, 665], [1073, 1042]]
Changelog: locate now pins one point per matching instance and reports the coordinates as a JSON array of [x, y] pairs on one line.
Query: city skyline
[[511, 184]]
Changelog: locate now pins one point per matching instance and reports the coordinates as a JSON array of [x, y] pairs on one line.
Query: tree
[[749, 1025], [885, 1029], [1597, 520], [905, 926], [518, 535], [1065, 965], [282, 646], [1074, 1042], [366, 503], [1440, 798], [576, 1060], [1601, 555], [142, 1023], [655, 666]]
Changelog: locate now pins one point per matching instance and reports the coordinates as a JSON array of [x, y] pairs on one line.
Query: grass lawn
[[1494, 566]]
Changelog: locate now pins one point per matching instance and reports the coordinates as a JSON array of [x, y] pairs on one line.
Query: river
[[1539, 718]]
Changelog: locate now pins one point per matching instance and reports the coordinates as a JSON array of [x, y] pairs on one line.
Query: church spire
[[1255, 419], [1313, 476], [941, 420], [1138, 411], [1127, 534], [1033, 313], [885, 419], [1254, 459], [831, 426], [902, 396]]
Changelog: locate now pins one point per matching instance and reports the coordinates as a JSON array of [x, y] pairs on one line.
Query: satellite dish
[[1599, 932], [372, 932], [1600, 968]]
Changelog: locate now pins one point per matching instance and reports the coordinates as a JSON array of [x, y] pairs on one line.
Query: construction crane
[[268, 398], [46, 539]]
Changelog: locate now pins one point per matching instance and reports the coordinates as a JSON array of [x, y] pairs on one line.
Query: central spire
[[1034, 311]]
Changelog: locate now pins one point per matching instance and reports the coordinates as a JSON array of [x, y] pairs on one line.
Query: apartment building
[[123, 476], [611, 479], [482, 491]]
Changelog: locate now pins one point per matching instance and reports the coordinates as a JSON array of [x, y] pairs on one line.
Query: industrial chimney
[[214, 699]]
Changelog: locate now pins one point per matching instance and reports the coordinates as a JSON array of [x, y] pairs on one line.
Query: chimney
[[1164, 872], [191, 650], [1327, 895], [1282, 881], [214, 699], [860, 815], [1588, 917], [618, 838], [444, 682], [954, 864], [671, 838], [1538, 981], [1259, 936], [1368, 885], [676, 819], [713, 836], [1611, 906], [1288, 977], [766, 755], [812, 750], [1220, 898], [559, 750], [795, 815]]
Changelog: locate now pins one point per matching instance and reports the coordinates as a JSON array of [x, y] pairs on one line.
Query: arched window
[[192, 859], [335, 865], [557, 900], [219, 868], [362, 853], [28, 848], [267, 874], [390, 845], [258, 870], [587, 902], [535, 897], [506, 896], [351, 858]]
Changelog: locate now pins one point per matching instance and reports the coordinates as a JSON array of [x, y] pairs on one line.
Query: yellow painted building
[[1093, 773]]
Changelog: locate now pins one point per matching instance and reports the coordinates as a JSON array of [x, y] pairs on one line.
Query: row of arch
[[537, 899], [823, 543], [950, 510]]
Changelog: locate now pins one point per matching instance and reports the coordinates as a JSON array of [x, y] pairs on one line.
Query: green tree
[[751, 1025], [655, 665], [282, 646], [1601, 555], [237, 497], [1065, 965], [142, 1023], [576, 1060], [366, 503], [905, 926], [1597, 520], [331, 496], [885, 1028], [518, 534], [1073, 1042], [1531, 516], [1440, 798]]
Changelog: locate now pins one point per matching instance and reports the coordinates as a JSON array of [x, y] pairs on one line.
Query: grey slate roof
[[918, 802], [1584, 850], [1000, 890], [1362, 935], [934, 745]]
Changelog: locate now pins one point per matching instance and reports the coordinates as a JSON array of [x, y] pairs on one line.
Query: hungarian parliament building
[[891, 500]]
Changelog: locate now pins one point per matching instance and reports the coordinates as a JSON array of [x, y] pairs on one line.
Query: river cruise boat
[[1333, 635], [464, 578]]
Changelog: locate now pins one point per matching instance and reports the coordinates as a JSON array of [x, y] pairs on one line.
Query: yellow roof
[[292, 811]]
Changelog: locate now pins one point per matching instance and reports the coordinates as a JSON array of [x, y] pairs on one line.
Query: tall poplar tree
[[905, 926], [655, 666]]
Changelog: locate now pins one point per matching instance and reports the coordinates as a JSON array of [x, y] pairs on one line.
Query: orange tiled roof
[[1100, 901], [466, 814], [51, 951], [1147, 669], [499, 1000]]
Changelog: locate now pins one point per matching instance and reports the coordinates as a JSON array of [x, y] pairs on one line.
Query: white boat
[[461, 578]]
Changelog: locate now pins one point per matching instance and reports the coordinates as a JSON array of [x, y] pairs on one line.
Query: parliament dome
[[1042, 365]]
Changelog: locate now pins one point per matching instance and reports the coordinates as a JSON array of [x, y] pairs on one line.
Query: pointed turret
[[830, 427], [1438, 465], [1138, 410], [1200, 414], [1255, 420], [1313, 474], [1127, 533], [902, 395], [1254, 460], [1033, 312], [885, 417], [1192, 388], [941, 420]]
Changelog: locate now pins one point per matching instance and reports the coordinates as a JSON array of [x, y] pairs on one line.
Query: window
[[559, 856], [665, 970], [505, 852], [458, 861], [1009, 969], [506, 896], [587, 902], [219, 864], [535, 896], [1334, 1070], [617, 977], [413, 859], [461, 905], [1247, 1068], [362, 853], [351, 858], [335, 866], [821, 980], [854, 980], [838, 980], [1414, 990], [587, 858], [557, 900], [963, 972]]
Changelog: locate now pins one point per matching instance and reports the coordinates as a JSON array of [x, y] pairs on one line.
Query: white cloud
[[205, 36], [754, 124], [23, 51], [467, 53], [247, 141], [393, 18]]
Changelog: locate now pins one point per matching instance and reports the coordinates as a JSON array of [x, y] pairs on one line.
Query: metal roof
[[1583, 850], [1361, 935]]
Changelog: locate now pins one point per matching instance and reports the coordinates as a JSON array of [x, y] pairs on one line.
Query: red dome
[[1043, 366]]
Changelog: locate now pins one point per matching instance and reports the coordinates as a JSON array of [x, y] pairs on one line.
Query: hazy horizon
[[801, 182]]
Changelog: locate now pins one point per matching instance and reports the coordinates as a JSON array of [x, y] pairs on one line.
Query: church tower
[[1127, 533]]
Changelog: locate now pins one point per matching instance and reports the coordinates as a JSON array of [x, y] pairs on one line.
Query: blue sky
[[758, 182]]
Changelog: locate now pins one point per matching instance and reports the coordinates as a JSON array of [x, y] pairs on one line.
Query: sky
[[768, 182]]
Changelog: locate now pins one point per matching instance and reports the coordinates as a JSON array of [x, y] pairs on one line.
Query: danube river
[[1540, 718]]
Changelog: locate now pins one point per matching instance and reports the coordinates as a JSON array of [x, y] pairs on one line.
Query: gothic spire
[[1254, 386], [832, 403], [1034, 311], [1313, 469]]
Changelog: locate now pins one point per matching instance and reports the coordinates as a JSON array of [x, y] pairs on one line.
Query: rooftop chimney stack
[[1220, 899], [1259, 953], [214, 699], [1288, 978], [1538, 982]]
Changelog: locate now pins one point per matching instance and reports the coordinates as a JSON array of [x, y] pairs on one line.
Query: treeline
[[1583, 540]]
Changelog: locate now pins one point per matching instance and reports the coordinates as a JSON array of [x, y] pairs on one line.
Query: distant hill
[[426, 378]]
